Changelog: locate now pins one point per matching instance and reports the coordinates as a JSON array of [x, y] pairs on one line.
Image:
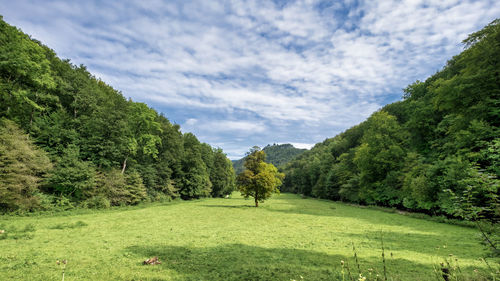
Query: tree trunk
[[124, 165], [256, 200]]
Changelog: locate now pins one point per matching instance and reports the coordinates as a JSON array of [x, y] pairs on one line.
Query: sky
[[244, 73]]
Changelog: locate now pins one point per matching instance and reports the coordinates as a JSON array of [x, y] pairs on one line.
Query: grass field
[[287, 238]]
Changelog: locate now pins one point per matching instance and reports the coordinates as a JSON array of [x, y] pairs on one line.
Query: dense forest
[[68, 139], [435, 151], [276, 154]]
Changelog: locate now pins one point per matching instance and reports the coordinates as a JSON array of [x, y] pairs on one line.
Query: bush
[[62, 204], [122, 189], [96, 202]]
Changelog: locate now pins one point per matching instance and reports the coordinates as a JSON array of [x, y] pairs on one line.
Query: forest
[[436, 151], [68, 139]]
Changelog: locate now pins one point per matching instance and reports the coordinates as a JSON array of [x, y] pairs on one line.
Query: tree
[[195, 179], [379, 158], [259, 179], [221, 174], [72, 177], [479, 201], [22, 167], [144, 131], [121, 189]]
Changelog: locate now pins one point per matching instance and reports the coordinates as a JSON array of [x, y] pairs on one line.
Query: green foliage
[[96, 202], [26, 80], [71, 176], [378, 159], [259, 179], [422, 153], [89, 130], [478, 200], [119, 189], [222, 175], [22, 168], [195, 180], [135, 189]]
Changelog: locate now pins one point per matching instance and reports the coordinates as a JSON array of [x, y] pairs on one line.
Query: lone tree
[[259, 179]]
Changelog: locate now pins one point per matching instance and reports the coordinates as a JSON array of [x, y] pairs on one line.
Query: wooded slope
[[434, 151], [101, 148]]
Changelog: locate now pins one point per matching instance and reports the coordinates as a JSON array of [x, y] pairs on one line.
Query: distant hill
[[276, 154]]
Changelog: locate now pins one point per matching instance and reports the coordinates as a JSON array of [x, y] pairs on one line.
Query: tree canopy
[[91, 133], [22, 167], [259, 179], [422, 153]]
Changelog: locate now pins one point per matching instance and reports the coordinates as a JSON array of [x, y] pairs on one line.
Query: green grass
[[287, 238]]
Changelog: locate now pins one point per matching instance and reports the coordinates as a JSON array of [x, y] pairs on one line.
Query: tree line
[[435, 151], [67, 138]]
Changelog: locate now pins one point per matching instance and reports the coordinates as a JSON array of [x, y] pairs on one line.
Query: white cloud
[[191, 122], [265, 69], [234, 126], [302, 145]]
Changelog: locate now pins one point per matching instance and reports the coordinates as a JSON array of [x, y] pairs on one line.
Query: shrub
[[96, 202]]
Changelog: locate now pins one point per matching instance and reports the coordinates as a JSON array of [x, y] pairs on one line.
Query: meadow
[[286, 238]]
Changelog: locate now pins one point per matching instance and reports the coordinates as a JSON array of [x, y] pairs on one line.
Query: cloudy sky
[[243, 73]]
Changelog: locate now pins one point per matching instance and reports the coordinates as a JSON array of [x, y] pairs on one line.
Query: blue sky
[[244, 73]]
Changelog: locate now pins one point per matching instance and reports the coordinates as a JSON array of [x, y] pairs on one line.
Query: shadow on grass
[[323, 207], [243, 262], [437, 246], [229, 206]]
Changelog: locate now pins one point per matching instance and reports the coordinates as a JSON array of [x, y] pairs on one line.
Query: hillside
[[287, 238], [276, 154], [436, 151], [69, 139]]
